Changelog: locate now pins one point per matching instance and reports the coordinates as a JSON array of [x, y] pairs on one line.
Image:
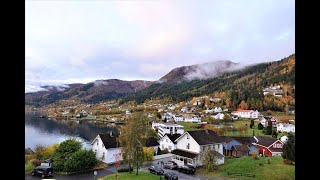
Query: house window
[[103, 157], [166, 140], [162, 146], [188, 136], [218, 146], [95, 151], [170, 147], [188, 146], [97, 142]]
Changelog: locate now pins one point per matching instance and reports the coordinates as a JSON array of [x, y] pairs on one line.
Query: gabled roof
[[183, 153], [265, 140], [242, 147], [204, 137], [245, 140], [227, 139], [151, 142], [173, 137], [109, 141]]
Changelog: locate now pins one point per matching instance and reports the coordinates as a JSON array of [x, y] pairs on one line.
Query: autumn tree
[[132, 140], [228, 103], [209, 159], [243, 105]]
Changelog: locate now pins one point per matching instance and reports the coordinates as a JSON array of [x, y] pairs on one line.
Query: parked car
[[170, 165], [156, 170], [171, 176], [43, 171], [187, 169]]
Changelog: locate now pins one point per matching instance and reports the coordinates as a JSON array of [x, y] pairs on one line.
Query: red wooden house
[[268, 146]]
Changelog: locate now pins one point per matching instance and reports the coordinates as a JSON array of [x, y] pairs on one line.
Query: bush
[[63, 152], [260, 126], [148, 153], [268, 160], [124, 170], [255, 155], [80, 161], [36, 162], [28, 157]]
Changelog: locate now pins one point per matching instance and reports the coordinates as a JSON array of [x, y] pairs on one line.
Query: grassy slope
[[132, 176], [28, 167], [273, 171]]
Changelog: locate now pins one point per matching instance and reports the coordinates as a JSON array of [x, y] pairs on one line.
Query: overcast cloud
[[82, 41]]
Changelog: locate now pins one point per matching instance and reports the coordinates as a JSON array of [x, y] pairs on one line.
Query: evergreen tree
[[289, 149]]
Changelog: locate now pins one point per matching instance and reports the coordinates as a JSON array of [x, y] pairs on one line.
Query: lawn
[[28, 167], [273, 171], [257, 132], [188, 126], [132, 176]]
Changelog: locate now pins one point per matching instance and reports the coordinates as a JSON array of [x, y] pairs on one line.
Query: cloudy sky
[[81, 41]]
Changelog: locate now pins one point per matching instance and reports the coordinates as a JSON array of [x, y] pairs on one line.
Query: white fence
[[162, 156]]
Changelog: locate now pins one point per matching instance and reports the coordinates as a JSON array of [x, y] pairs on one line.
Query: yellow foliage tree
[[243, 105], [148, 153]]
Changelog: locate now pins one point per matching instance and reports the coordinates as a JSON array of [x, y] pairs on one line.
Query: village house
[[184, 109], [264, 120], [107, 148], [217, 109], [285, 127], [168, 142], [215, 100], [167, 128], [191, 145], [246, 113], [193, 119], [249, 142], [208, 110], [218, 116], [275, 91], [178, 118], [268, 146], [167, 116]]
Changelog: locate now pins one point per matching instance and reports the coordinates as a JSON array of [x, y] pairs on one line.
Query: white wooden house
[[192, 144], [168, 142]]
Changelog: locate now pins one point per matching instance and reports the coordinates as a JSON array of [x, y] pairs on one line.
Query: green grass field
[[273, 171], [132, 176], [257, 132], [188, 126]]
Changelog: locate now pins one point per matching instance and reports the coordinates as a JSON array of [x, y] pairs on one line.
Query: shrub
[[36, 162], [148, 153], [80, 161], [124, 170], [268, 160], [260, 126], [255, 155], [28, 157]]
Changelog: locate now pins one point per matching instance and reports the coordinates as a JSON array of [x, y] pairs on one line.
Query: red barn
[[268, 146]]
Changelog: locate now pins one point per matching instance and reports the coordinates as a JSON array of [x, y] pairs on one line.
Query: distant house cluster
[[246, 113], [274, 90]]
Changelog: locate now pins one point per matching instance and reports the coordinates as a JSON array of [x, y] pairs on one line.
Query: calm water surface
[[45, 131]]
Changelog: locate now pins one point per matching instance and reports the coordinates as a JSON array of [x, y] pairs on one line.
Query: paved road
[[82, 176], [112, 169]]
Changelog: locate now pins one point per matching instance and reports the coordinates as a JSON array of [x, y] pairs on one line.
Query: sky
[[79, 41]]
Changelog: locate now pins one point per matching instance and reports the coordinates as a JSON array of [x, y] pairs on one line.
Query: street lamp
[[95, 174]]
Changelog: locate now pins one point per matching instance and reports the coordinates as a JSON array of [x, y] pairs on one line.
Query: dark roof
[[204, 137], [108, 141], [183, 153], [173, 137], [265, 140], [243, 148], [152, 142], [245, 140], [227, 139]]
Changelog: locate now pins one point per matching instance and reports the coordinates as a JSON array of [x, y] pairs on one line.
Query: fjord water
[[44, 131]]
